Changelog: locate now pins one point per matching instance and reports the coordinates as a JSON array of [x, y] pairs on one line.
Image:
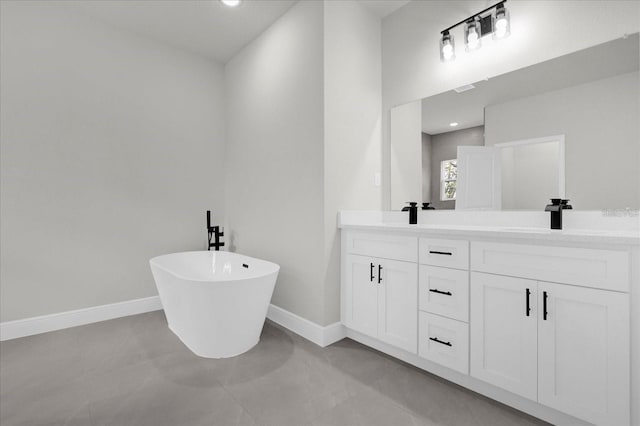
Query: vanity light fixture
[[501, 24], [494, 20], [472, 34], [447, 47], [231, 3]]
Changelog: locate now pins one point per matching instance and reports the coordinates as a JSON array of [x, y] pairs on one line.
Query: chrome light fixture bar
[[475, 27]]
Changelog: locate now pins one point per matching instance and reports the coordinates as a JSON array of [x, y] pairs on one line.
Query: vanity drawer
[[447, 253], [444, 341], [445, 292], [604, 269], [378, 244]]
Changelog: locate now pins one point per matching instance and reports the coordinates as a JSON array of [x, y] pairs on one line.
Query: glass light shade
[[447, 48], [501, 23], [231, 3], [472, 35]]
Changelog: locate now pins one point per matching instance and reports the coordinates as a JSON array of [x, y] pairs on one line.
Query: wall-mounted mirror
[[567, 127]]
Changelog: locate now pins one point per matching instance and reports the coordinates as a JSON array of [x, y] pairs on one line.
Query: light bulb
[[447, 50], [501, 23], [447, 47], [501, 26], [472, 35], [472, 38], [231, 3]]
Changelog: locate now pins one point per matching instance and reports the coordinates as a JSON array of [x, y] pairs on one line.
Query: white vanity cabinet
[[504, 351], [443, 327], [583, 352], [565, 346], [380, 294], [547, 322]]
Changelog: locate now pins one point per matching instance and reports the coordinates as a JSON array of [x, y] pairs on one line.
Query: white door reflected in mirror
[[479, 178], [518, 175]]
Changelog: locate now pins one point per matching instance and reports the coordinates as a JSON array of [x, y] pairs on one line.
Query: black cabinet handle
[[446, 253], [528, 308], [544, 305], [371, 273], [435, 290], [435, 339], [379, 274]]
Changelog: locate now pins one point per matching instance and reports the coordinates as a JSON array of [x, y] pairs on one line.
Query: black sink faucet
[[215, 233], [413, 212], [556, 207]]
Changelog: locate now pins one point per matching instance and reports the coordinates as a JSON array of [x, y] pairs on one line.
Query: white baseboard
[[321, 336], [36, 325]]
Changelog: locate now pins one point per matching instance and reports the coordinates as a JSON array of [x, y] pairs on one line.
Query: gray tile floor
[[134, 371]]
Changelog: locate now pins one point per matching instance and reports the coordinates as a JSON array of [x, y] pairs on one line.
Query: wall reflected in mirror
[[588, 98]]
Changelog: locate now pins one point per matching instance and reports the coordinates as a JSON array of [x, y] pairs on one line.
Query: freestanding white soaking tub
[[215, 302]]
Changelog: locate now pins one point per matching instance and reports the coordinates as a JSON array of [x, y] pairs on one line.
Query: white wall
[[352, 126], [406, 154], [540, 30], [599, 121], [113, 148], [274, 193], [111, 151], [530, 175], [304, 106]]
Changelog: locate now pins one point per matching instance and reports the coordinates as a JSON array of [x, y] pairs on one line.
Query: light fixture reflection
[[231, 3]]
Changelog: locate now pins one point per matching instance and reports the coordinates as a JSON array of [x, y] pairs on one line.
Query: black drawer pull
[[446, 253], [371, 273], [528, 308], [544, 305], [435, 339], [435, 290], [379, 274]]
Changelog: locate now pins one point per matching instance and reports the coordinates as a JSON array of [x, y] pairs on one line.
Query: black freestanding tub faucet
[[556, 207], [214, 233]]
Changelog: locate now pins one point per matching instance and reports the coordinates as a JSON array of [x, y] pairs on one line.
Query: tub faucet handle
[[214, 233]]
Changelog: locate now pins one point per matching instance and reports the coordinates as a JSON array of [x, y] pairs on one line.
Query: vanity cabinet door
[[360, 309], [504, 333], [583, 344], [398, 304]]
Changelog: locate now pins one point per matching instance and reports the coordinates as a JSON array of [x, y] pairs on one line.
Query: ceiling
[[205, 27], [382, 8], [467, 108]]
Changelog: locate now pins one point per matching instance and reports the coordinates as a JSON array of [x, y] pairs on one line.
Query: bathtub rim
[[153, 263]]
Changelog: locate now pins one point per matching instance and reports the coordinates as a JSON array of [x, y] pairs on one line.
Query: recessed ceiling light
[[454, 124], [231, 3]]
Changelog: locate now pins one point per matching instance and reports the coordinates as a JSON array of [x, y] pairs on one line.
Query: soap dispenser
[[413, 212]]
